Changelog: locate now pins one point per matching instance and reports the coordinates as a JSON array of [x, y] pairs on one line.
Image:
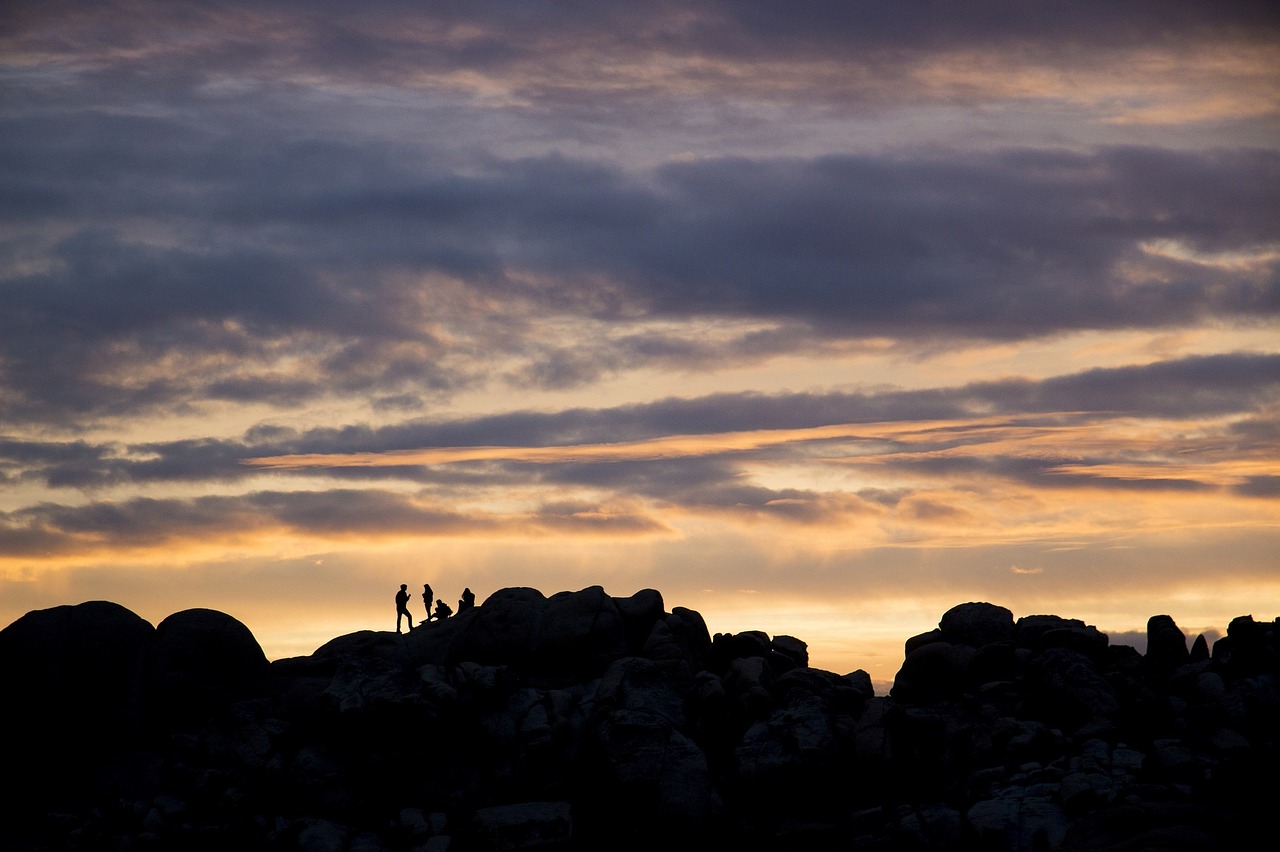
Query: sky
[[818, 317]]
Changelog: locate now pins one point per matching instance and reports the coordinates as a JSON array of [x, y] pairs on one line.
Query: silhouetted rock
[[583, 721], [80, 664], [933, 672], [1166, 644], [976, 624], [506, 629], [200, 660], [72, 677], [528, 825], [581, 633]]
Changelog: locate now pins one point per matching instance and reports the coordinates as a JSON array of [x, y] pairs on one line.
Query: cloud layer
[[789, 294]]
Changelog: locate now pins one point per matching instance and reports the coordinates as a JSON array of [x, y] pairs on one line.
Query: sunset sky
[[818, 317]]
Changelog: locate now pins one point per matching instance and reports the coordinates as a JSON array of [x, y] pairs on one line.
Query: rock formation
[[582, 721]]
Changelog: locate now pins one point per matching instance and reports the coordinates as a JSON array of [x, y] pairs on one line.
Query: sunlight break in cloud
[[1120, 449]]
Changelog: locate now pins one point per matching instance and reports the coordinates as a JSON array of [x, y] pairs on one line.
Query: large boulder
[[71, 677], [727, 647], [525, 825], [639, 685], [581, 633], [639, 613], [652, 776], [1250, 648], [976, 624], [793, 753], [933, 672], [1064, 688], [1017, 820], [654, 779], [1166, 644], [201, 661], [787, 653], [505, 630], [76, 665], [569, 635], [690, 628]]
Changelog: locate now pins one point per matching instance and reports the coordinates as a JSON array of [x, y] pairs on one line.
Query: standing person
[[468, 600], [426, 600], [402, 606]]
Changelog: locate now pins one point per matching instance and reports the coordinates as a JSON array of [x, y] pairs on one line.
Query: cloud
[[157, 261], [1262, 485], [962, 246], [208, 523], [1097, 428], [560, 55]]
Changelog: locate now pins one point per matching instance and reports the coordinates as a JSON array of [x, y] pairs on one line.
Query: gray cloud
[[152, 215], [1189, 389], [149, 214], [1006, 246], [1260, 486], [847, 246], [1044, 472], [509, 40], [51, 529]]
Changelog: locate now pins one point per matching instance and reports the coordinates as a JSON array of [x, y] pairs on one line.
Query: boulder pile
[[582, 721]]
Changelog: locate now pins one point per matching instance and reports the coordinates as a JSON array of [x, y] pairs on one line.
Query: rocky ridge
[[584, 721]]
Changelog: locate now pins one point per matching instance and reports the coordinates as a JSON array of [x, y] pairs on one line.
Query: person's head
[[404, 586]]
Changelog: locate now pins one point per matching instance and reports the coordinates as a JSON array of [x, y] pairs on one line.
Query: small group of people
[[442, 610]]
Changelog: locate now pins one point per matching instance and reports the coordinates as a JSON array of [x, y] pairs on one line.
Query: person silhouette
[[468, 600], [442, 609], [402, 606], [426, 600]]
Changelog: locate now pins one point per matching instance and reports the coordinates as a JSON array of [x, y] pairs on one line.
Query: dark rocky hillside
[[582, 721]]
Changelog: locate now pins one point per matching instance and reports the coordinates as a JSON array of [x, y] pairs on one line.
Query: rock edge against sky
[[576, 720]]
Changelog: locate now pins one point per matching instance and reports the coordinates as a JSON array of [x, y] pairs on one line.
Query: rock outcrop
[[582, 721]]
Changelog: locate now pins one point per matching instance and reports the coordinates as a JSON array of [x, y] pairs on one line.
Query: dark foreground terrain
[[582, 721]]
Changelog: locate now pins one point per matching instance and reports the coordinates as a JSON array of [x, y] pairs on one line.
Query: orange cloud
[[669, 447]]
